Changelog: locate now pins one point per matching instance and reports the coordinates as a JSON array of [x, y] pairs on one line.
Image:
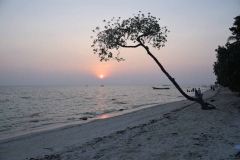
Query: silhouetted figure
[[199, 92], [213, 88], [196, 93]]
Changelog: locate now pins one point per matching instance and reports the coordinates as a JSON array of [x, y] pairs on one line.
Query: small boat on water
[[160, 88], [102, 85], [166, 85]]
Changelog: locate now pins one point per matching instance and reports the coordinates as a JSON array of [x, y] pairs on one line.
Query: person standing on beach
[[196, 93], [199, 92]]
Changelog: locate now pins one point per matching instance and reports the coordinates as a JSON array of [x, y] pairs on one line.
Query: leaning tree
[[134, 32]]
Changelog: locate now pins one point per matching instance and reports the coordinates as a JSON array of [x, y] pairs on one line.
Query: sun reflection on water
[[104, 116]]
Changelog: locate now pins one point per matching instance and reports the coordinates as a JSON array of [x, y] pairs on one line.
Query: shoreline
[[59, 141], [38, 127], [79, 122]]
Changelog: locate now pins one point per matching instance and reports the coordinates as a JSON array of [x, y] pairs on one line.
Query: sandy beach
[[178, 130]]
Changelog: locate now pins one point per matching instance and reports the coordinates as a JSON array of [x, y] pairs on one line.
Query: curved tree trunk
[[204, 105]]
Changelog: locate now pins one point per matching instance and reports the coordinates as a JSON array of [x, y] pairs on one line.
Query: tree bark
[[204, 105]]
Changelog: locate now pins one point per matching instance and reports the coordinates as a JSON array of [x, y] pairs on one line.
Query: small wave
[[26, 97], [71, 118], [106, 111], [119, 103], [109, 111], [89, 113], [41, 120], [4, 100], [45, 124], [34, 121], [140, 105], [34, 115], [42, 126], [5, 128]]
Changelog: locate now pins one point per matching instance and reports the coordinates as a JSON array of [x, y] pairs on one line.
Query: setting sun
[[101, 76]]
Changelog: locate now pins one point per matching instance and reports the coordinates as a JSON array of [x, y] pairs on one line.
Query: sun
[[101, 76]]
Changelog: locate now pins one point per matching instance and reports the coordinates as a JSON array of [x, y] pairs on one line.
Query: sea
[[27, 109]]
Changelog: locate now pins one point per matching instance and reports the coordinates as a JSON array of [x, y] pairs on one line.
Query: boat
[[160, 88], [102, 85]]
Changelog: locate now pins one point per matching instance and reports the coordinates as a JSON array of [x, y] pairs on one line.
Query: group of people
[[198, 92], [192, 90]]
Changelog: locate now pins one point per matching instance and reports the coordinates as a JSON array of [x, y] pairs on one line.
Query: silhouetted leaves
[[138, 29]]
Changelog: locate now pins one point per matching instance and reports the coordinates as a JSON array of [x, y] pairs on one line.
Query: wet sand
[[178, 130]]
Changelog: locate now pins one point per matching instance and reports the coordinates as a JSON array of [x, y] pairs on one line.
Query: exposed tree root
[[207, 106]]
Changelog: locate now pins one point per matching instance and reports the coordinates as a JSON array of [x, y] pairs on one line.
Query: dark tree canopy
[[235, 30], [227, 67], [138, 31], [130, 33]]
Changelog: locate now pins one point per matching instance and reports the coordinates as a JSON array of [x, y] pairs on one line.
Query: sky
[[46, 42]]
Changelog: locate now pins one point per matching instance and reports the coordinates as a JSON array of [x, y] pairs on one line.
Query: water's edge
[[45, 128]]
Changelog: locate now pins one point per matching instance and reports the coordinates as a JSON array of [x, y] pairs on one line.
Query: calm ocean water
[[23, 109]]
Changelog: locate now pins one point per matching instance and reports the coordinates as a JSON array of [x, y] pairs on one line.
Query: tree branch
[[130, 46], [143, 35]]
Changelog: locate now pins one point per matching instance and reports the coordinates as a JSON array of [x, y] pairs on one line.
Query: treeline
[[227, 67]]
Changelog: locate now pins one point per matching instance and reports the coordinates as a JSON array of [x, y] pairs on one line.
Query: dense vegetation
[[227, 67]]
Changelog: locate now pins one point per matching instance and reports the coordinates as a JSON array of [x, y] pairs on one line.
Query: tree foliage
[[227, 67], [129, 33]]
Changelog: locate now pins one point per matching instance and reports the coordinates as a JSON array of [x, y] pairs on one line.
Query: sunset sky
[[47, 42]]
